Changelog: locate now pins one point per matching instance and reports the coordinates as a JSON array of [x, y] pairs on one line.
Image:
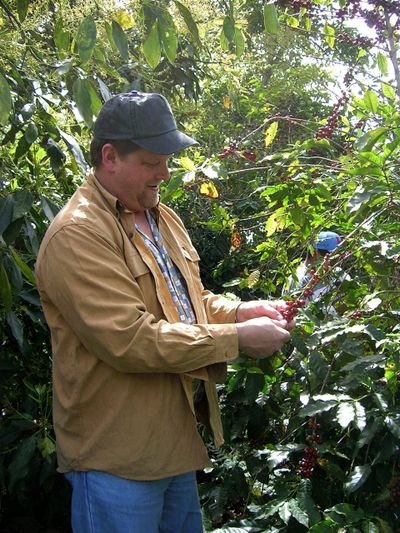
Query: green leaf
[[13, 273], [26, 271], [382, 63], [306, 502], [5, 289], [5, 100], [326, 526], [239, 42], [22, 8], [6, 212], [31, 133], [76, 151], [95, 101], [318, 364], [370, 138], [298, 513], [329, 31], [12, 232], [298, 216], [120, 39], [254, 384], [316, 407], [50, 208], [61, 38], [271, 22], [229, 28], [371, 101], [16, 327], [152, 47], [86, 38], [190, 23], [293, 22], [169, 40], [18, 469], [22, 203], [357, 478], [56, 154], [83, 101], [388, 91]]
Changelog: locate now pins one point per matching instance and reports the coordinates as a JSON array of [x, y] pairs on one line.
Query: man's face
[[138, 178]]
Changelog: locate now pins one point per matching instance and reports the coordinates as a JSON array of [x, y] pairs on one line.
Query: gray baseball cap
[[143, 118]]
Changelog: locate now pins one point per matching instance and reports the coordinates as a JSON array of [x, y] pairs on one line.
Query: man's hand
[[261, 337], [263, 308]]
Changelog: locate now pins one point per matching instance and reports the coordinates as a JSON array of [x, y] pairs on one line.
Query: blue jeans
[[103, 503]]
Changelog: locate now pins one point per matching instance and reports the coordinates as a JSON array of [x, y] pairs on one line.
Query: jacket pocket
[[136, 264], [191, 254]]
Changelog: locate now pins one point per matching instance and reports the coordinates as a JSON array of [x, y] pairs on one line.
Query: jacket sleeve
[[84, 277]]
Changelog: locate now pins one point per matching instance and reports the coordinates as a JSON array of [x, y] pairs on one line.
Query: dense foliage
[[296, 110]]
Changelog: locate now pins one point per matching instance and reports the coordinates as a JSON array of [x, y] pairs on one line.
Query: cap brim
[[166, 143]]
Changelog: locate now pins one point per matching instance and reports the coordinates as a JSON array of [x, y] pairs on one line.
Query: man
[[131, 327]]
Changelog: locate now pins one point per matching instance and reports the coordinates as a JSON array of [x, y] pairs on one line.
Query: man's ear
[[109, 157]]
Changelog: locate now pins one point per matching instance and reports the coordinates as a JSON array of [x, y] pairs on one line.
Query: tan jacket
[[122, 363]]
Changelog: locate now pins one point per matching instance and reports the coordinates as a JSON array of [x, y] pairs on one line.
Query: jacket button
[[130, 235]]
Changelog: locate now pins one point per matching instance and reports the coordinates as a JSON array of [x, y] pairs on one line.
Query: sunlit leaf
[[298, 216], [209, 189], [370, 138], [271, 22], [124, 19], [345, 414], [298, 513], [253, 278], [371, 100], [329, 31], [239, 42], [61, 38], [83, 101], [270, 134], [22, 8], [388, 91], [357, 478], [86, 38], [152, 47], [190, 23], [120, 39], [382, 63], [169, 40], [229, 28]]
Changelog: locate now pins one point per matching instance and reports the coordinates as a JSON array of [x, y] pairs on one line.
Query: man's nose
[[163, 173]]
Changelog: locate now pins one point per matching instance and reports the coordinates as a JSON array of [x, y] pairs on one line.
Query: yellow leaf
[[1, 22], [209, 189], [253, 278], [227, 102], [236, 239], [270, 134], [124, 19], [187, 163]]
